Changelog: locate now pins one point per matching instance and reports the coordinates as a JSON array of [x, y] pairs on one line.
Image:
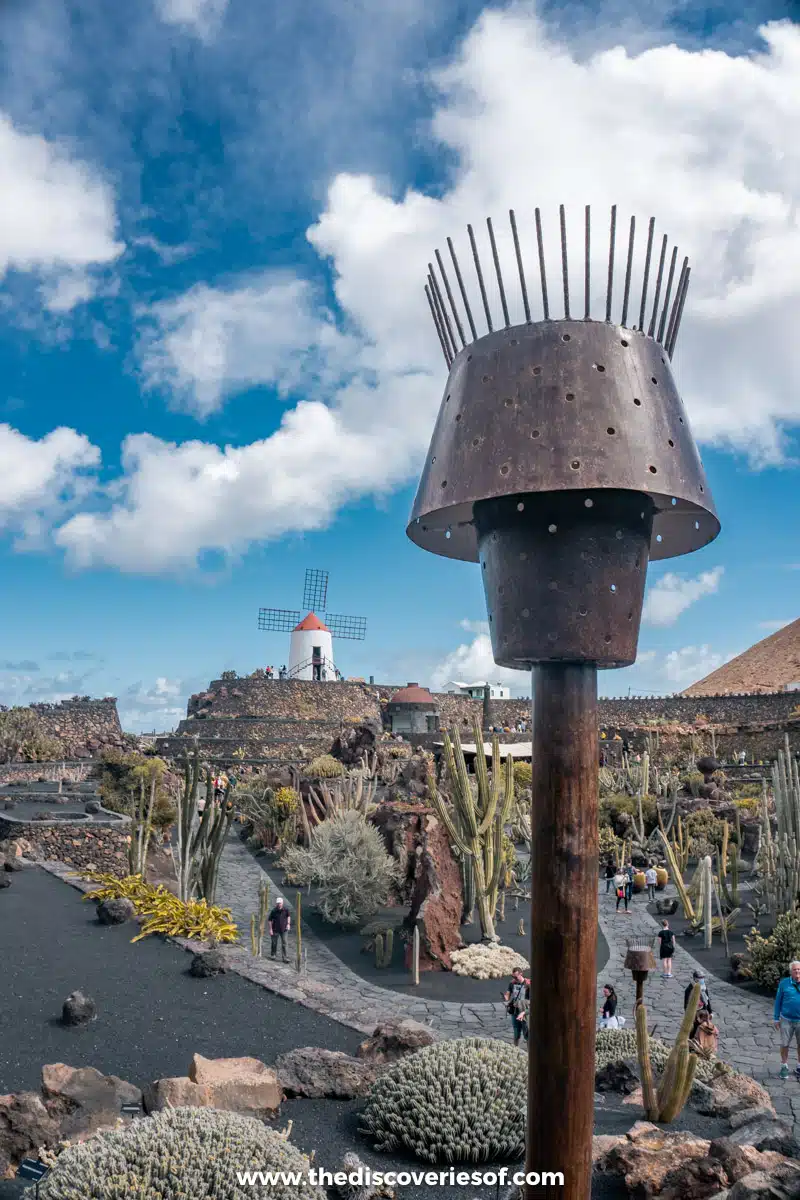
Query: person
[[629, 873], [280, 922], [620, 881], [787, 1017], [651, 879], [611, 871], [608, 1013], [706, 1033], [667, 949], [704, 1004], [519, 990]]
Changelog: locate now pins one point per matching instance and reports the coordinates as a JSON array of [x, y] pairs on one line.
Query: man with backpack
[[516, 998], [787, 1017]]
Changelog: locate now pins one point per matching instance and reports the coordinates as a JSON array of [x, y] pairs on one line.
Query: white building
[[475, 690], [311, 650]]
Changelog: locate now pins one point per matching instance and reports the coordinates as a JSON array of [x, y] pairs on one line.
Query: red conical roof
[[312, 621]]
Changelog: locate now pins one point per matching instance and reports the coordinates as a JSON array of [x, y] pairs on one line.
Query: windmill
[[311, 643]]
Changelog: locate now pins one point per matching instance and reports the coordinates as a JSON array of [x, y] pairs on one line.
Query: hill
[[772, 665]]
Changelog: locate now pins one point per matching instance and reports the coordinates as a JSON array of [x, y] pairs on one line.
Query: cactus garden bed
[[347, 945]]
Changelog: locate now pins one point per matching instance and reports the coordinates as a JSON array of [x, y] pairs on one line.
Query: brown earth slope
[[772, 665]]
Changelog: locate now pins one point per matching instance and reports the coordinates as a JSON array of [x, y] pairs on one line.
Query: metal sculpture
[[562, 461]]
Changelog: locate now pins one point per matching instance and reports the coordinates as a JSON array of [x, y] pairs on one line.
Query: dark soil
[[347, 945], [715, 960]]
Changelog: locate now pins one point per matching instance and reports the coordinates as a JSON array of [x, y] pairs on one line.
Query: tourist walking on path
[[787, 1017], [651, 879], [667, 949], [611, 871], [519, 990], [621, 890], [704, 1003], [280, 922], [608, 1013], [629, 873]]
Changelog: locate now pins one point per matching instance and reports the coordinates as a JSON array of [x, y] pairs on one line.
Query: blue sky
[[218, 369]]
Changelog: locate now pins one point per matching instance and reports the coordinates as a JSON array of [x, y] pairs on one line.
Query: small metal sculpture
[[562, 462], [640, 961]]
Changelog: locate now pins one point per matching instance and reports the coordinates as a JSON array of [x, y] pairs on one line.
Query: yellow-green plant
[[163, 912], [523, 776], [475, 820], [677, 878], [325, 767], [667, 1102]]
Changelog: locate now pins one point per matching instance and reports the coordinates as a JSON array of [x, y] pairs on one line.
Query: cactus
[[200, 844], [415, 956], [384, 947], [475, 824], [641, 792], [258, 921], [677, 879], [141, 828], [180, 1151], [455, 1101], [779, 857], [665, 1104], [298, 931]]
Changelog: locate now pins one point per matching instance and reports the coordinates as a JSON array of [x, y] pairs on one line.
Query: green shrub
[[692, 783], [703, 825], [460, 1100], [325, 767], [181, 1152], [523, 776], [771, 955], [611, 809], [347, 862]]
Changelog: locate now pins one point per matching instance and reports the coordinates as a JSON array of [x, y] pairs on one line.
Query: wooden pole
[[564, 892], [415, 955]]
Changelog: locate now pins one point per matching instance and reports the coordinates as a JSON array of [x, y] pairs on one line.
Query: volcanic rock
[[208, 964], [25, 1126], [393, 1039], [115, 912], [616, 1077], [86, 1099], [78, 1009], [665, 908], [242, 1085], [315, 1073]]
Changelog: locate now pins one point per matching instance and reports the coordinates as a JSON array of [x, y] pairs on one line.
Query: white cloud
[[472, 662], [703, 140], [40, 479], [159, 707], [671, 595], [213, 342], [199, 17], [690, 664], [57, 215]]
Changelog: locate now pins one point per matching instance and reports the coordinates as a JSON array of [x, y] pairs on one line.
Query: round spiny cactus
[[325, 767], [194, 1152], [454, 1101], [617, 1045]]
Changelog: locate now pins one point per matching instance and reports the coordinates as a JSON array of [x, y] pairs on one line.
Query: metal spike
[[650, 232], [629, 265], [676, 327], [522, 285], [447, 358], [673, 315], [665, 309], [564, 268], [542, 270], [586, 264], [612, 239], [437, 295], [480, 278], [450, 298], [497, 269], [651, 330], [462, 289]]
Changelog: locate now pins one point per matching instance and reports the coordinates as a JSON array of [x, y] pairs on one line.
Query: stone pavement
[[747, 1039]]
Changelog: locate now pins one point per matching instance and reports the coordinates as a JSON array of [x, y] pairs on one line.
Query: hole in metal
[[619, 535], [681, 420], [520, 507], [448, 534], [570, 396], [458, 416], [606, 639], [444, 484], [599, 367], [674, 501], [476, 441], [637, 401], [653, 470], [469, 358], [513, 342], [622, 342], [659, 537], [575, 464], [697, 524], [484, 378], [526, 612], [536, 371], [565, 337], [551, 637], [508, 402], [654, 380], [630, 616], [611, 430], [505, 469], [613, 587], [702, 489], [433, 460], [535, 433], [552, 529], [588, 504], [582, 612]]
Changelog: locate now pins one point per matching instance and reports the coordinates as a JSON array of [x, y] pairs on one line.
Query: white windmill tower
[[311, 642]]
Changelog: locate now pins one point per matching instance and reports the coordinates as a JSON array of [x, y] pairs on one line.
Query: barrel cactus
[[455, 1101], [195, 1152]]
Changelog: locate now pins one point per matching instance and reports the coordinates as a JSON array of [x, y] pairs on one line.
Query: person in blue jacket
[[787, 1017]]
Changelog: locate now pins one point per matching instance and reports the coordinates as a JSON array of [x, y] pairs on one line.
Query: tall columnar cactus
[[258, 921], [676, 873], [384, 948], [200, 843], [475, 823], [641, 792], [779, 856], [786, 783], [665, 1103], [298, 931], [142, 827]]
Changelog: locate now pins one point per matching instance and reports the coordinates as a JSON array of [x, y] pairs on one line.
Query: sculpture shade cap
[[558, 406]]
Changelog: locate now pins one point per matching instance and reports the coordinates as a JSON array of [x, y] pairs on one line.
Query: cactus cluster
[[193, 1152], [325, 767], [616, 1045], [455, 1101], [487, 962]]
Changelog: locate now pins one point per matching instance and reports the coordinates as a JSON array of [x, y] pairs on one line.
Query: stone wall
[[84, 727], [102, 848], [298, 698]]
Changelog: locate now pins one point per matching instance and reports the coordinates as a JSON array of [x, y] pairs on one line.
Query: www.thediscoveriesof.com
[[364, 1177]]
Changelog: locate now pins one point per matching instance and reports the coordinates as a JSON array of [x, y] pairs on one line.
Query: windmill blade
[[353, 628], [315, 592], [278, 620]]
